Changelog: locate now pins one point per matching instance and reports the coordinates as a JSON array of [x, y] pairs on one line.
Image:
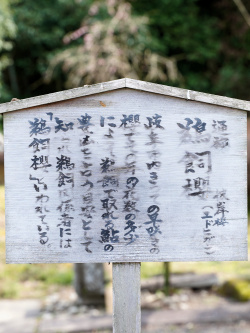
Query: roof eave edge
[[64, 95], [189, 95]]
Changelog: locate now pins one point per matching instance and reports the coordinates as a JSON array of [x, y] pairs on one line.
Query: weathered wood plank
[[122, 83], [126, 298], [175, 174]]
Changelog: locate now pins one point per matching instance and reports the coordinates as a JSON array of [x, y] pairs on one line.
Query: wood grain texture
[[187, 158], [126, 298], [125, 83]]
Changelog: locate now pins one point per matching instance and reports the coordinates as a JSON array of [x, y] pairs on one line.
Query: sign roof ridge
[[87, 90]]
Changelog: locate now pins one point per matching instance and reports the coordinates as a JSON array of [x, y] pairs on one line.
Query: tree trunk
[[166, 273]]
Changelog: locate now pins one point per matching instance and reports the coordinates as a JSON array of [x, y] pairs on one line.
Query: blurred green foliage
[[207, 41], [40, 28], [7, 34], [116, 44], [210, 38], [236, 289]]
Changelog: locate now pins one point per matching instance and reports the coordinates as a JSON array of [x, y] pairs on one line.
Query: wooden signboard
[[125, 171]]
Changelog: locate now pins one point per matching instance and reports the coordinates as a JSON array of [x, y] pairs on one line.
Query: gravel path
[[202, 313], [239, 327]]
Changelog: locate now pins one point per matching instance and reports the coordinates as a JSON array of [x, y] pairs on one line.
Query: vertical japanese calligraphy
[[198, 169], [65, 182], [109, 233], [87, 208], [153, 225], [39, 167], [130, 197]]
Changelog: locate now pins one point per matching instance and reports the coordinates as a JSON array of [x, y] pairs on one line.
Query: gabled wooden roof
[[125, 83]]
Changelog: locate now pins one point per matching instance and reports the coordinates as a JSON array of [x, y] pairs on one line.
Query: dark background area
[[47, 46]]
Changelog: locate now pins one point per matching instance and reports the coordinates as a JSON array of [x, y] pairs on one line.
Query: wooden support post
[[126, 298]]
